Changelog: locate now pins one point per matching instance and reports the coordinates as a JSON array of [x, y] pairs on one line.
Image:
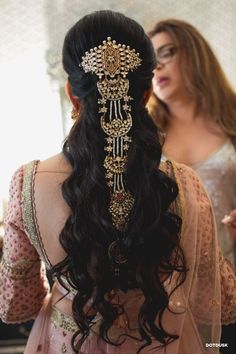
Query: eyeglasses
[[166, 54]]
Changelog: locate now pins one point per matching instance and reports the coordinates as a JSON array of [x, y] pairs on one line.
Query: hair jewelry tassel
[[111, 62]]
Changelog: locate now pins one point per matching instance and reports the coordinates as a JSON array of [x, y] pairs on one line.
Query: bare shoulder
[[49, 177], [54, 164]]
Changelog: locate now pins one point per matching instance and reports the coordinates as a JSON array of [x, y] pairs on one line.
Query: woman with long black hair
[[129, 241]]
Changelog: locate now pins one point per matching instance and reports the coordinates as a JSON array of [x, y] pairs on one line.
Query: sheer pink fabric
[[205, 300]]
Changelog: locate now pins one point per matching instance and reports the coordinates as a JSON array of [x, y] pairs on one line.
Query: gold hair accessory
[[111, 62], [74, 114]]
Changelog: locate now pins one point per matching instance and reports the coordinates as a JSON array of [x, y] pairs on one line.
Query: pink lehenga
[[196, 311]]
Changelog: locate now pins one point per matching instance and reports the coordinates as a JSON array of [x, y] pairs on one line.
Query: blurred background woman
[[195, 106]]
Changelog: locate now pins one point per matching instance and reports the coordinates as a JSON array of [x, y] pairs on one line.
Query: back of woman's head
[[150, 240], [202, 73]]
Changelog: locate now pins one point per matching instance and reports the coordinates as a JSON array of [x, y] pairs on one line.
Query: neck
[[182, 112], [183, 118]]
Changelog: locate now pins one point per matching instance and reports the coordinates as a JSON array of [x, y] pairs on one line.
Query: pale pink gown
[[206, 300]]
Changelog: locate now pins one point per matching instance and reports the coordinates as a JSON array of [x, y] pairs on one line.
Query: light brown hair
[[203, 77]]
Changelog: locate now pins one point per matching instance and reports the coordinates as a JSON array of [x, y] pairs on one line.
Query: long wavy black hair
[[151, 241]]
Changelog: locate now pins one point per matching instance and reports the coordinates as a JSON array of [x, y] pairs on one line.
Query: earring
[[74, 114]]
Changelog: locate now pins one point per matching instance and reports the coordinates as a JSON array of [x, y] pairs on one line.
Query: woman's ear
[[147, 95], [74, 100]]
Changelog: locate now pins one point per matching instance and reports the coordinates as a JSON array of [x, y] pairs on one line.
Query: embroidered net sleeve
[[23, 282], [228, 292], [212, 294]]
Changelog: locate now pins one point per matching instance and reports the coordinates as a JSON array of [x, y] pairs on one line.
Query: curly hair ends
[[151, 240]]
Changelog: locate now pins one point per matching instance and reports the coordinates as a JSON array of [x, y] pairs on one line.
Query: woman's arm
[[23, 281]]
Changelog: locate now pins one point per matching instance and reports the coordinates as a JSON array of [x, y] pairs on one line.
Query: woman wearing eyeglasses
[[195, 106]]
